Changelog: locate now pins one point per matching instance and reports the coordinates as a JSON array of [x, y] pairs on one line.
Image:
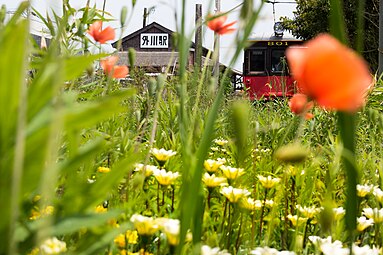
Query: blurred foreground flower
[[330, 73], [111, 69], [328, 247], [101, 35], [53, 246], [216, 23]]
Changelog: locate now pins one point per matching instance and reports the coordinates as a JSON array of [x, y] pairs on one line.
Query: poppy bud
[[291, 153], [123, 15]]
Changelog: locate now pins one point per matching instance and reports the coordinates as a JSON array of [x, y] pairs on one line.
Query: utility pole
[[145, 16], [380, 50], [216, 43], [198, 37]]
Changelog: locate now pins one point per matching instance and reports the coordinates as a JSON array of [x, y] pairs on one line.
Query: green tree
[[311, 18]]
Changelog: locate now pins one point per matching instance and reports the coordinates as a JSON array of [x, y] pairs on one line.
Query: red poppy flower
[[217, 24], [110, 68], [330, 73], [298, 104], [101, 35]]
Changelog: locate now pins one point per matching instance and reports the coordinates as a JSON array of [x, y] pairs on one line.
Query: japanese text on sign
[[154, 40]]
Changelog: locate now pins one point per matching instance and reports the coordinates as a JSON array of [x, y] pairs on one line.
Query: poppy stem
[[347, 127]]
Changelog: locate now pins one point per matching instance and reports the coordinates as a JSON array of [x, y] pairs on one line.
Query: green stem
[[239, 233], [347, 126], [262, 214]]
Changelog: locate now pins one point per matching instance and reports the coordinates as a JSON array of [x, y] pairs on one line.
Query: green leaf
[[81, 115], [74, 66]]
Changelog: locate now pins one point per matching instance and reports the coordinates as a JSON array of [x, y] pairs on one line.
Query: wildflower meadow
[[98, 158]]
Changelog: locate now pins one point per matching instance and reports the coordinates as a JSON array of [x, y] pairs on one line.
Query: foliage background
[[312, 17]]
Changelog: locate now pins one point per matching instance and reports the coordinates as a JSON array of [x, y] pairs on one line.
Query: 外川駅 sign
[[154, 40]]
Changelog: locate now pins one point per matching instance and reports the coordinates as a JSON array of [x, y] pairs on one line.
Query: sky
[[165, 12]]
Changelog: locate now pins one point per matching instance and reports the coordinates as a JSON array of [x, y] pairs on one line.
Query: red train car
[[265, 69]]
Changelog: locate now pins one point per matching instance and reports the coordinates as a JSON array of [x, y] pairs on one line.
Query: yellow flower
[[36, 198], [221, 142], [269, 203], [162, 155], [35, 251], [363, 190], [48, 210], [149, 169], [232, 172], [250, 204], [101, 209], [171, 228], [165, 178], [120, 241], [233, 194], [374, 213], [35, 214], [295, 220], [53, 246], [131, 236], [145, 226], [291, 170], [212, 165], [212, 181], [339, 213], [308, 212], [268, 182], [103, 170], [363, 223], [378, 193]]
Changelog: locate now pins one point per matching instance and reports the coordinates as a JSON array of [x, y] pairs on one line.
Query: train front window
[[257, 60], [278, 61]]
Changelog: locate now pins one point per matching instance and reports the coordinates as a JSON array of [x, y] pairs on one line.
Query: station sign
[[154, 40]]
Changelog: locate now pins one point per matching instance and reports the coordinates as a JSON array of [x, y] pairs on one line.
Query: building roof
[[151, 26]]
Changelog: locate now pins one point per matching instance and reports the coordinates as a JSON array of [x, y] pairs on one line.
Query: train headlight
[[278, 29]]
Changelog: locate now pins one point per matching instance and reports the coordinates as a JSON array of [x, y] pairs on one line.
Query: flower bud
[[132, 57], [291, 153], [123, 15]]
